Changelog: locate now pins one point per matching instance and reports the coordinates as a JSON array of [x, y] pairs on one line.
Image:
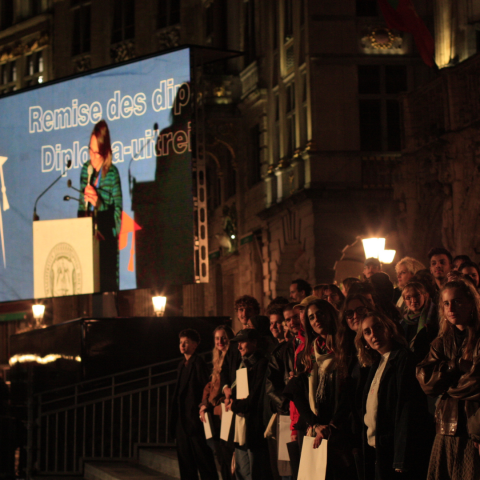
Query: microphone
[[69, 185], [67, 198], [90, 173], [35, 216]]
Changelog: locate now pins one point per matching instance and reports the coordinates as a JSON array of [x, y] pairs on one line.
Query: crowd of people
[[389, 376]]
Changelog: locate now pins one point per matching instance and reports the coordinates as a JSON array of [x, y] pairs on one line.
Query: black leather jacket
[[279, 367], [457, 382]]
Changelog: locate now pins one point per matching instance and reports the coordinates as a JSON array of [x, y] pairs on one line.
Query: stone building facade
[[303, 129]]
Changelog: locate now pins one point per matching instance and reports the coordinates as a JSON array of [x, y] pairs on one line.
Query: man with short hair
[[246, 307], [440, 264], [299, 289], [372, 265], [185, 425]]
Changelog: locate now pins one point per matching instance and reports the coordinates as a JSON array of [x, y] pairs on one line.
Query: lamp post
[[159, 304], [373, 247], [38, 313]]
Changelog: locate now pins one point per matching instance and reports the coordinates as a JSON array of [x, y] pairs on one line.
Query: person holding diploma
[[102, 199], [251, 451], [194, 455], [211, 400]]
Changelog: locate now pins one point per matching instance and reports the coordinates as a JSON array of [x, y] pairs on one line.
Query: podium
[[65, 258]]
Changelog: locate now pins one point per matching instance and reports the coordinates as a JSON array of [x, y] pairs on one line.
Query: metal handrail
[[109, 425]]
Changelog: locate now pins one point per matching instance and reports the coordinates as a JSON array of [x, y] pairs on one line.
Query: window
[[29, 8], [367, 8], [379, 110], [34, 68], [6, 14], [291, 120], [249, 49], [304, 125], [168, 13], [123, 20], [276, 135], [8, 77], [288, 20], [209, 21], [81, 27], [255, 165]]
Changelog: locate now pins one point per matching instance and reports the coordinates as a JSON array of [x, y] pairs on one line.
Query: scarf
[[421, 318], [321, 376]]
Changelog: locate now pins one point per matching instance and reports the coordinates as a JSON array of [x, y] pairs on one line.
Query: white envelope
[[207, 426], [242, 384], [226, 423], [313, 460], [283, 436]]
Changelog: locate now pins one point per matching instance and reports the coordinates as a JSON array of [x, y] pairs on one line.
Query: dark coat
[[252, 406], [348, 413], [404, 436], [191, 380], [230, 366], [278, 374]]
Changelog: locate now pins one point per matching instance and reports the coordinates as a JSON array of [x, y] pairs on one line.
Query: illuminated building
[[303, 130]]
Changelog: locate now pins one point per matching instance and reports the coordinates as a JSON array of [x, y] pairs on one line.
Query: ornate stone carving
[[82, 64], [122, 51], [17, 49], [169, 37]]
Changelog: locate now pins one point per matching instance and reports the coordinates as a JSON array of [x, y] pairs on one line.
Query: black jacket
[[278, 374], [252, 406], [191, 380], [230, 366], [404, 436]]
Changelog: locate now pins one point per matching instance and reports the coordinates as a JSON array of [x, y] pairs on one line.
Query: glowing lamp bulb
[[373, 247], [387, 256], [159, 304]]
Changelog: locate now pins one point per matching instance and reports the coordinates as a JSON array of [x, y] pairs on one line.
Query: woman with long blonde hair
[[211, 400], [451, 371]]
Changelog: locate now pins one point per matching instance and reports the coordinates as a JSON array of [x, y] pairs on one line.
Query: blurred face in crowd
[[247, 348], [187, 346], [295, 294], [276, 326], [319, 321], [472, 273], [370, 269], [456, 264], [457, 308], [414, 300], [243, 314], [355, 313], [292, 318], [221, 340], [439, 267], [376, 335], [332, 297], [403, 275]]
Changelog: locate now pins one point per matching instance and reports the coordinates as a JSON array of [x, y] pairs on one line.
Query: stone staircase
[[153, 464]]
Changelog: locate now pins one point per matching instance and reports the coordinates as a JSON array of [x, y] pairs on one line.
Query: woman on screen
[[102, 199]]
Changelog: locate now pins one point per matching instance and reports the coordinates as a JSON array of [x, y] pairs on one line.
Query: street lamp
[[373, 247], [159, 304], [38, 313], [387, 256]]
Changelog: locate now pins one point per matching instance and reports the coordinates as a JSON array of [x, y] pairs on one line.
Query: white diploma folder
[[242, 384], [313, 460], [226, 423], [207, 426], [284, 437]]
